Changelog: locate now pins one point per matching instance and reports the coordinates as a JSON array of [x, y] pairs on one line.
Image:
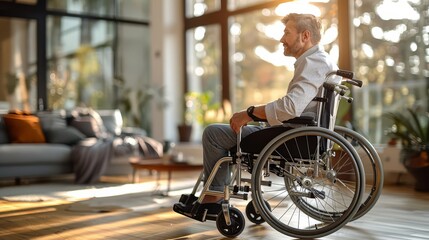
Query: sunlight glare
[[330, 35], [107, 191], [297, 7], [390, 61], [274, 31], [335, 52], [199, 9], [396, 10], [377, 32], [276, 58], [368, 51], [199, 33], [235, 29]]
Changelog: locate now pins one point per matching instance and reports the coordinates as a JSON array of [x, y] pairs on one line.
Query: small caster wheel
[[252, 215], [237, 223]]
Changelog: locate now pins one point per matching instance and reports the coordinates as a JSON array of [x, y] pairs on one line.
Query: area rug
[[100, 197]]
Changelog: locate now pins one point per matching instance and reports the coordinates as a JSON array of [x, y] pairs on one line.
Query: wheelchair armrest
[[303, 120]]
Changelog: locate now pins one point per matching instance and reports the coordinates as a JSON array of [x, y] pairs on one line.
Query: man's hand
[[239, 119]]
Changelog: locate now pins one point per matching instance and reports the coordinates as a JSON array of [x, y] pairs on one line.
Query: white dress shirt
[[309, 74]]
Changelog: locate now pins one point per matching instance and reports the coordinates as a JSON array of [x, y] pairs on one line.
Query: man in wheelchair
[[302, 34], [306, 181]]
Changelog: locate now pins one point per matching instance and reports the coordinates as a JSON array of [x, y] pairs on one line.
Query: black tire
[[253, 215], [372, 165], [237, 223]]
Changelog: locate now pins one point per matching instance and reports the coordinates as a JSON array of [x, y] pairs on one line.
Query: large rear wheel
[[315, 182]]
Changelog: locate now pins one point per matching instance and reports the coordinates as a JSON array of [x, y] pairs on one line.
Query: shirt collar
[[307, 53]]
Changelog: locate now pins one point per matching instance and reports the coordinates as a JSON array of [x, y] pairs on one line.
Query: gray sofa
[[53, 158]]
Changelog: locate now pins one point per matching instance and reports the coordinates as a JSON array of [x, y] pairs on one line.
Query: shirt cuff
[[271, 114]]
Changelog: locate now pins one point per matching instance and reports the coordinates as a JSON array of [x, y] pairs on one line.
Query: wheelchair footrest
[[187, 199], [194, 210]]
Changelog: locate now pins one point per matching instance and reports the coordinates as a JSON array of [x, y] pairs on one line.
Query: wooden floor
[[401, 213]]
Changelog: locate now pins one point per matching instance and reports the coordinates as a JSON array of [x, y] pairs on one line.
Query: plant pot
[[421, 175], [417, 164], [185, 132]]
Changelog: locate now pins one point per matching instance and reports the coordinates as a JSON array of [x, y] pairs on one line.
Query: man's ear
[[306, 35]]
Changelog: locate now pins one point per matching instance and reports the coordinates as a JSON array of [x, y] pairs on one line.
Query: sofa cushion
[[34, 154], [112, 121], [50, 119], [64, 135], [89, 122], [23, 127], [87, 125]]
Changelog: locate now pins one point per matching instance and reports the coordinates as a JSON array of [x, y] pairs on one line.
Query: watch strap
[[252, 116]]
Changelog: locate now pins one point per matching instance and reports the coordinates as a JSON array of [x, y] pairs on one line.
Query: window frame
[[40, 12]]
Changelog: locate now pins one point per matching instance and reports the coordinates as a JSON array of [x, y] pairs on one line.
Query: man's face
[[292, 40]]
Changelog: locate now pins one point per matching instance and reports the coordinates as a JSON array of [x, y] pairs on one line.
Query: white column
[[166, 24]]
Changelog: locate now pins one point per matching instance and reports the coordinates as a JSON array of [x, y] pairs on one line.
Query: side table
[[165, 164]]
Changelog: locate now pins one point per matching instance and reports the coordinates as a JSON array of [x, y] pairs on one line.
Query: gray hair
[[306, 22]]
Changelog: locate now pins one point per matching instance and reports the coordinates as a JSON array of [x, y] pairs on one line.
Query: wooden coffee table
[[164, 164]]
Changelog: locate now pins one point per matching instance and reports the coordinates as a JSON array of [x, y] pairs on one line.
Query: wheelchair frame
[[302, 177]]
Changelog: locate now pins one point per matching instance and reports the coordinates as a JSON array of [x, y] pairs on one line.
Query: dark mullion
[[225, 76], [42, 92], [9, 9], [94, 17], [206, 19], [185, 58]]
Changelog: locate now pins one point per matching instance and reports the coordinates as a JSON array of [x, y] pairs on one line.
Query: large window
[[391, 56], [79, 64], [259, 71], [97, 55], [97, 62], [385, 42], [89, 61], [203, 62]]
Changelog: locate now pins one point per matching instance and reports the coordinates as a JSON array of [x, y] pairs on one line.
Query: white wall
[[167, 41]]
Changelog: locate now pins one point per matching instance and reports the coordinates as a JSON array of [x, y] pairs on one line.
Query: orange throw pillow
[[23, 128]]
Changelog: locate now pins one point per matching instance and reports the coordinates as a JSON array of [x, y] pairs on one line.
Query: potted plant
[[134, 103], [411, 128], [200, 108]]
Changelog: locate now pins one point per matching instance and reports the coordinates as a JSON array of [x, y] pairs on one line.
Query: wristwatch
[[253, 117]]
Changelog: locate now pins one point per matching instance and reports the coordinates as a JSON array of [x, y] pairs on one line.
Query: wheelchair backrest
[[327, 109]]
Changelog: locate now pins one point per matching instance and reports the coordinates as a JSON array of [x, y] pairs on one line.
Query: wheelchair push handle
[[348, 75], [345, 74], [355, 82]]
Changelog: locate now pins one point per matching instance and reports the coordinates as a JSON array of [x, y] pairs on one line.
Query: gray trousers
[[217, 140]]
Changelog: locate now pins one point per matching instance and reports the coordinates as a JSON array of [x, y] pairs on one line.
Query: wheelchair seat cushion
[[302, 147], [256, 141]]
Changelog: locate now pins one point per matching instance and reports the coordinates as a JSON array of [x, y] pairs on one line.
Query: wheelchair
[[306, 180]]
